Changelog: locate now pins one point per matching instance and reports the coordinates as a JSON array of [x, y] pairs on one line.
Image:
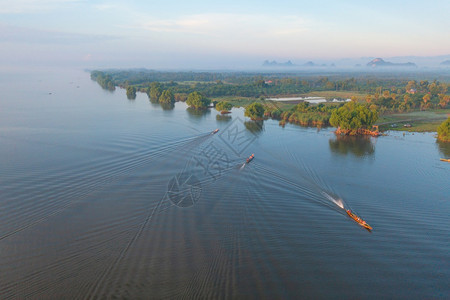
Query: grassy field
[[336, 94], [244, 101], [420, 121], [236, 101]]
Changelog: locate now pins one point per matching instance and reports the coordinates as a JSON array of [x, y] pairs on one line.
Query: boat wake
[[305, 180], [338, 202]]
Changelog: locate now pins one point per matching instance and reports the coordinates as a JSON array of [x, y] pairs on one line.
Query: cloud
[[104, 7], [32, 6], [264, 34], [229, 25]]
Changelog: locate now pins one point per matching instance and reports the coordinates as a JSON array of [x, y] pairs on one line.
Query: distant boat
[[445, 159], [251, 157], [215, 131], [358, 220]]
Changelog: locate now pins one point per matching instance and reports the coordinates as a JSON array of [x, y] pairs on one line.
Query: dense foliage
[[197, 101], [353, 116], [167, 97], [154, 91], [254, 111], [444, 131], [105, 81], [131, 92], [224, 106], [383, 91], [304, 114], [414, 95]]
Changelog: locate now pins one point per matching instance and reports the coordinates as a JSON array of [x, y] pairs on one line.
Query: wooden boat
[[445, 159], [358, 220], [250, 158]]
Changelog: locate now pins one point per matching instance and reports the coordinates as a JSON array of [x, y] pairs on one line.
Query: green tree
[[224, 106], [353, 116], [443, 100], [406, 98], [255, 111], [411, 85], [330, 85], [444, 131], [426, 104], [131, 92], [302, 106], [154, 91], [105, 81], [436, 88], [197, 100], [167, 97], [423, 85]]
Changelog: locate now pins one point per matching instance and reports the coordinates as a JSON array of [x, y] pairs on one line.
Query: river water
[[103, 197]]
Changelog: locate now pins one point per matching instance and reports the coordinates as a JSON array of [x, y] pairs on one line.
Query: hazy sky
[[199, 34]]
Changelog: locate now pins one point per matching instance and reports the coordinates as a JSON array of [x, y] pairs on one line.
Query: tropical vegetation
[[352, 117], [224, 106], [197, 101], [254, 111], [444, 131], [131, 92], [166, 97]]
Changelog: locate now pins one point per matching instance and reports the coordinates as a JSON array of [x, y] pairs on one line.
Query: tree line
[[385, 93]]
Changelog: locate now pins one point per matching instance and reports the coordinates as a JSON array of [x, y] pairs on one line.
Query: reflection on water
[[358, 146], [167, 106], [198, 113], [223, 118], [444, 148], [153, 101], [254, 126], [164, 106]]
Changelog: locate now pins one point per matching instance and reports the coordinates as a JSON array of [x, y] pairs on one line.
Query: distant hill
[[445, 63], [309, 64], [379, 62], [273, 63]]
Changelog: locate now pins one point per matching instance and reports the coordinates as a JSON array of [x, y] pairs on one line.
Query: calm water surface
[[101, 196]]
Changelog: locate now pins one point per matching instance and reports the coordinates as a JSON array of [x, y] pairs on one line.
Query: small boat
[[215, 131], [445, 159], [358, 220], [251, 157]]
